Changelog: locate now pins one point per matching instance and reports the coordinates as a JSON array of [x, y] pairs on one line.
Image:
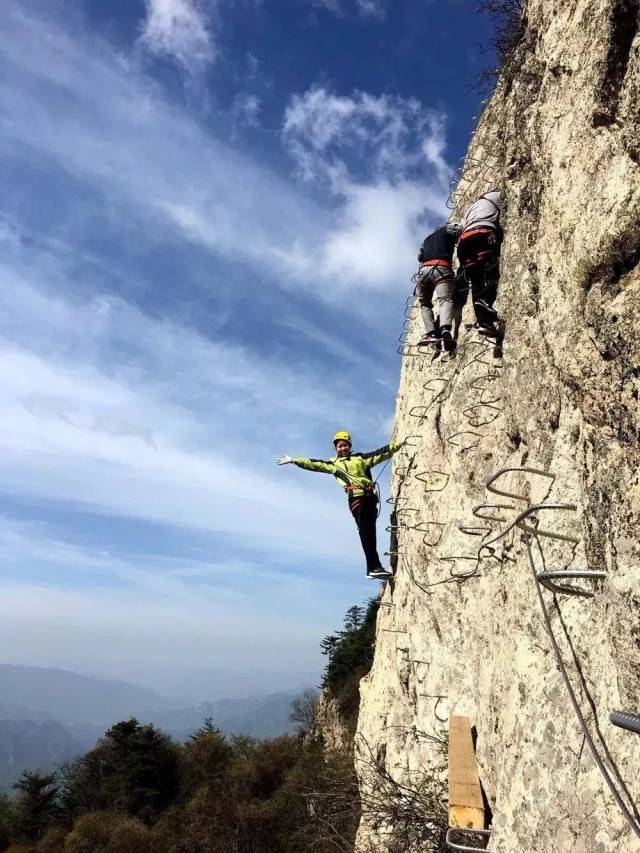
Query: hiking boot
[[431, 338], [486, 331], [487, 311], [380, 573], [448, 342]]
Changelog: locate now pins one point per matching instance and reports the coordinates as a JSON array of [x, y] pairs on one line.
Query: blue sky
[[209, 222]]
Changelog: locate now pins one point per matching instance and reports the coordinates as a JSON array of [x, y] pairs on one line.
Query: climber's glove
[[284, 459]]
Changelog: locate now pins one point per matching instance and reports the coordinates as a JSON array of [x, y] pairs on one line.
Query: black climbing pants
[[479, 255], [364, 509]]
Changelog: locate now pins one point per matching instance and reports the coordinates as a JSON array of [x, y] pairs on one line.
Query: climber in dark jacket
[[479, 256], [435, 276], [353, 473]]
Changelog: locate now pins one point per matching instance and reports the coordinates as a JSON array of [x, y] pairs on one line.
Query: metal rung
[[520, 470], [436, 379], [473, 531], [536, 531], [405, 510], [420, 411], [413, 440], [471, 835], [478, 511], [477, 421], [425, 476], [461, 575], [473, 446], [410, 351], [425, 527], [488, 377], [547, 580], [626, 720]]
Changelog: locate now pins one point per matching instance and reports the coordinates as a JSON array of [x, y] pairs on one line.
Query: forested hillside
[[140, 791]]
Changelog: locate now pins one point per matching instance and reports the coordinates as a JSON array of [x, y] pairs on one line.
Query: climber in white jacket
[[479, 255]]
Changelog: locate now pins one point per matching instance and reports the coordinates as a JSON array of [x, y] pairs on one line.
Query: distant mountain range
[[25, 745], [70, 698], [50, 715]]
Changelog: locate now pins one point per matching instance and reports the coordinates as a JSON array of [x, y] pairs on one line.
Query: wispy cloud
[[153, 162], [366, 8], [180, 30], [351, 226], [175, 311], [128, 415], [383, 157], [246, 109]]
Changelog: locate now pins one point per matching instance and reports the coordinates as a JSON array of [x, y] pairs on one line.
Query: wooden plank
[[466, 807]]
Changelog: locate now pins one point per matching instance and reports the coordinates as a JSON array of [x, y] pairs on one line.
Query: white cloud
[[375, 8], [108, 409], [366, 8], [180, 30], [383, 157], [153, 162], [374, 165], [377, 230], [246, 109]]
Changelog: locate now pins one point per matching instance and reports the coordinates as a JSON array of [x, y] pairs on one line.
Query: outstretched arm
[[318, 465], [321, 466], [375, 457]]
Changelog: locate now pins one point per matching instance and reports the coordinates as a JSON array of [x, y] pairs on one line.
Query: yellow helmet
[[342, 436]]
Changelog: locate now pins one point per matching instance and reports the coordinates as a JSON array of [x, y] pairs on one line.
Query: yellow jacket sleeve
[[321, 466], [375, 457]]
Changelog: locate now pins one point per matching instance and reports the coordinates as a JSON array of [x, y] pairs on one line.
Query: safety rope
[[631, 818]]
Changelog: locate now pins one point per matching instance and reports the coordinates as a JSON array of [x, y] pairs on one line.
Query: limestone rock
[[561, 137]]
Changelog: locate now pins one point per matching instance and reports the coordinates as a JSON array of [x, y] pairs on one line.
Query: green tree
[[80, 782], [133, 769], [328, 644], [108, 832], [7, 820], [36, 804], [206, 759], [353, 618], [351, 655]]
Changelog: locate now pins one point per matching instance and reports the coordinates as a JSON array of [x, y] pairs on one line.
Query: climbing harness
[[437, 262]]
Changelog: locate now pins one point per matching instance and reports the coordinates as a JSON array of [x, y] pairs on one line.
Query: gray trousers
[[436, 281]]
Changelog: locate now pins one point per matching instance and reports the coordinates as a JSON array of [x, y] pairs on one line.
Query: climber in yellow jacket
[[353, 473]]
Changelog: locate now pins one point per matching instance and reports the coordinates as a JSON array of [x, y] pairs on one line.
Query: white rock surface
[[562, 138]]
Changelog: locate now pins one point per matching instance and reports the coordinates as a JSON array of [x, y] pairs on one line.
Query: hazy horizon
[[200, 685]]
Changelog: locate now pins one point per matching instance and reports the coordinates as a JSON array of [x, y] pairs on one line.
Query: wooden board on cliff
[[466, 807]]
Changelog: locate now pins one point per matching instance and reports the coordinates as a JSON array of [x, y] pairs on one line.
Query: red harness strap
[[438, 262], [473, 231], [358, 487]]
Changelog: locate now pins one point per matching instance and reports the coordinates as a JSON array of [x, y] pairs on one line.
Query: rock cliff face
[[462, 630], [332, 725]]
